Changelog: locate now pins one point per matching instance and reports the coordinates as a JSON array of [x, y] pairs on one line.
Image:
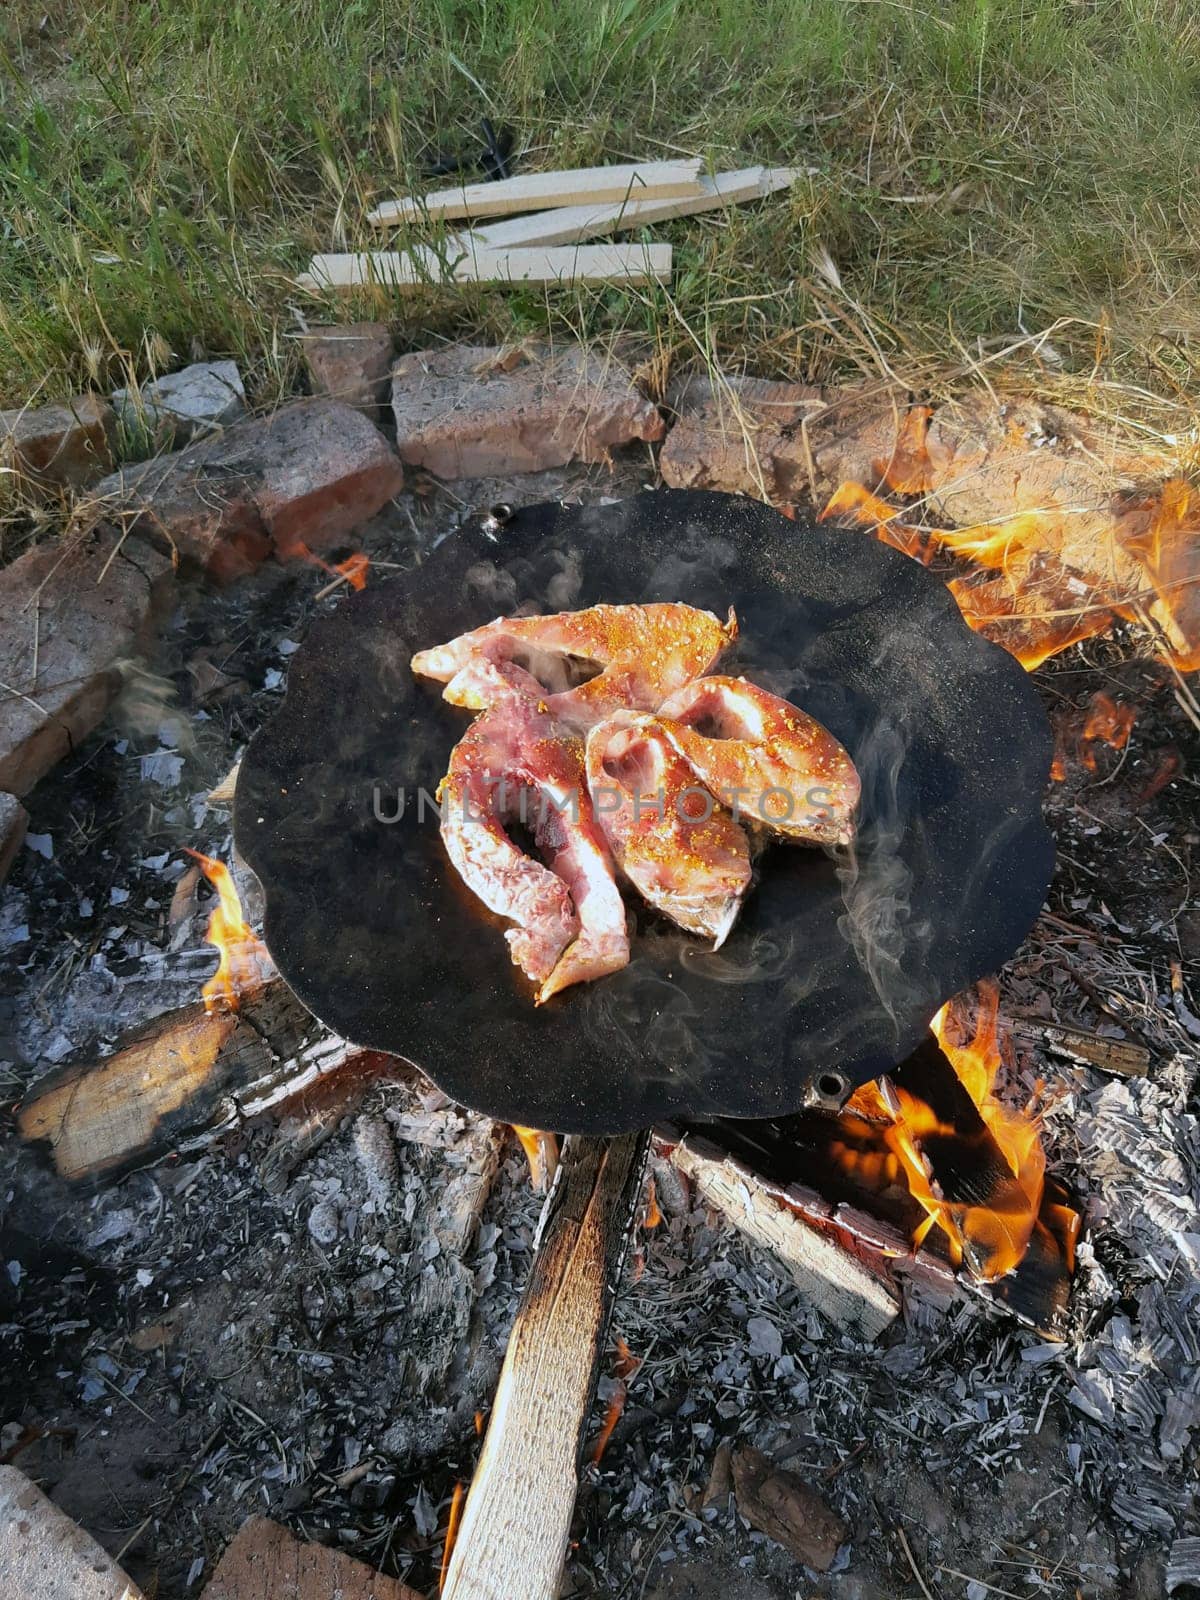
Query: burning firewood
[[917, 1175], [851, 1293], [181, 1081]]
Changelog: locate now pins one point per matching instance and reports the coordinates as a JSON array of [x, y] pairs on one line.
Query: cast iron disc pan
[[835, 967]]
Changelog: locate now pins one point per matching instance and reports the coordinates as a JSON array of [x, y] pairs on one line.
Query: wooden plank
[[836, 1282], [395, 269], [570, 224], [513, 1538], [537, 191]]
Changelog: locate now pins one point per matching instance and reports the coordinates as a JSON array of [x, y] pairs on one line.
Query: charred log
[[176, 1084]]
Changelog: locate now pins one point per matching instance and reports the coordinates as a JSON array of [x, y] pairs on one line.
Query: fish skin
[[742, 741], [516, 759], [645, 653], [683, 853]]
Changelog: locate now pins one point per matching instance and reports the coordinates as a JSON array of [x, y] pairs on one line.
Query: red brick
[[310, 473], [469, 412], [351, 362], [69, 612], [46, 1556], [264, 1562], [67, 446]]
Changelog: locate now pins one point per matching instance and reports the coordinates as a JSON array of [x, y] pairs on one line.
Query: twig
[[912, 1561]]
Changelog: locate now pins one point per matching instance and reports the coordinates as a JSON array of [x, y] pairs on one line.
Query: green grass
[[985, 167]]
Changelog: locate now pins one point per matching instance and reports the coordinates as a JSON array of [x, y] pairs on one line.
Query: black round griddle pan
[[836, 965]]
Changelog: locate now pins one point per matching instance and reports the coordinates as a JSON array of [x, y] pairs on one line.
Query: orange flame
[[1162, 530], [992, 1239], [1017, 1134], [625, 1367], [541, 1151], [653, 1217], [1010, 618], [909, 470], [352, 571], [245, 962], [1061, 580], [455, 1517], [869, 511]]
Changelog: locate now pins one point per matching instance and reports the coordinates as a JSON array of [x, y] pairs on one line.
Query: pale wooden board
[[569, 224], [835, 1281], [512, 1541], [536, 191], [592, 263]]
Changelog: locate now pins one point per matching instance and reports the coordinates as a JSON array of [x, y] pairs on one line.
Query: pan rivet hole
[[832, 1086], [495, 518]]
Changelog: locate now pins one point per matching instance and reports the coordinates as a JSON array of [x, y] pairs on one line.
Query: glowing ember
[[1107, 723], [625, 1367], [1170, 765], [245, 963]]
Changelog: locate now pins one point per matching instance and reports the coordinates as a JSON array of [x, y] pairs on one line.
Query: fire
[[1161, 531], [1107, 723], [990, 1237], [1059, 574], [626, 1365], [869, 511], [909, 469], [456, 1509], [541, 1151], [245, 962], [1003, 614], [654, 1216], [352, 571]]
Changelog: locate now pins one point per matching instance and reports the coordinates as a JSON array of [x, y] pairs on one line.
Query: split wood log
[[839, 1284], [536, 191], [398, 269], [513, 1538], [177, 1083], [570, 224], [222, 794]]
